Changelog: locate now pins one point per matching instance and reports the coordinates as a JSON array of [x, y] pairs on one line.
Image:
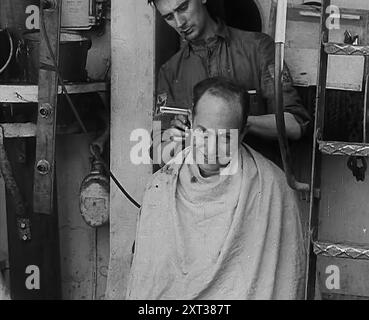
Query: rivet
[[43, 167], [45, 110]]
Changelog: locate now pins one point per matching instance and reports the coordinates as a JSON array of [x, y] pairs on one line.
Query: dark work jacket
[[245, 57]]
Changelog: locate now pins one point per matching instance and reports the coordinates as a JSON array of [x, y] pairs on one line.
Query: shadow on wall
[[241, 14]]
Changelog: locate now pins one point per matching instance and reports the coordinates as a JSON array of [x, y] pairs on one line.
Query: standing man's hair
[[223, 88]]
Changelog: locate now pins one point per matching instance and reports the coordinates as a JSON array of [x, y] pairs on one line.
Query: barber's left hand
[[180, 122]]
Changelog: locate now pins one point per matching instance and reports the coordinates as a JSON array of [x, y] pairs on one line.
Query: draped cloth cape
[[226, 237]]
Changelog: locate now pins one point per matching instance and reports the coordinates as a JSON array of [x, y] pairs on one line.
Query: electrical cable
[[74, 109], [10, 53], [123, 190]]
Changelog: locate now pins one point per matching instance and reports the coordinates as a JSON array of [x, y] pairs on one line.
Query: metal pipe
[[365, 109], [280, 37], [10, 53], [172, 110]]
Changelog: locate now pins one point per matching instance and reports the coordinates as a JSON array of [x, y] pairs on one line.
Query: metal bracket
[[50, 17], [24, 229]]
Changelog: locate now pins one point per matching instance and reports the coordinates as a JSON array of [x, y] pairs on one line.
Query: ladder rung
[[345, 49], [29, 93], [28, 130], [335, 148], [19, 130], [340, 250]]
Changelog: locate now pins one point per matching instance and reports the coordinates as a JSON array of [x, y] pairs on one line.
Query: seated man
[[224, 228]]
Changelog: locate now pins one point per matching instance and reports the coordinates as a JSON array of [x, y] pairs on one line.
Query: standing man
[[214, 49]]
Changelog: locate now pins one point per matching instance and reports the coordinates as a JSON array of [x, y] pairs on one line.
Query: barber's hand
[[177, 131]]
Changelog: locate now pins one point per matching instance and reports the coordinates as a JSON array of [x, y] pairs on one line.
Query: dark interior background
[[241, 14]]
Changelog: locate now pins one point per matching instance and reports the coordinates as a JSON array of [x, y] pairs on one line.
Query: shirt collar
[[222, 32]]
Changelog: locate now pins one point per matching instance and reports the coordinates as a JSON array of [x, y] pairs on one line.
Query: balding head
[[220, 109], [232, 108]]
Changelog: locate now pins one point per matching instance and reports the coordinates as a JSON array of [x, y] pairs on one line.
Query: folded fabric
[[233, 236]]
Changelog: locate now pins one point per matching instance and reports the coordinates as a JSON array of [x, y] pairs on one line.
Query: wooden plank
[[86, 87], [26, 130], [47, 102], [29, 93], [18, 94], [19, 130]]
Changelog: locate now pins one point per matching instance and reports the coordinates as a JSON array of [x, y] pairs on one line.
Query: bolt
[[23, 225], [25, 238], [43, 167], [45, 110]]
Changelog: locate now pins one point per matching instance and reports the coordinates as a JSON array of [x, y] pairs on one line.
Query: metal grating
[[345, 49], [334, 148], [336, 250]]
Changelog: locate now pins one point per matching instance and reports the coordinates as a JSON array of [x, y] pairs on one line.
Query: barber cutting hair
[[214, 49]]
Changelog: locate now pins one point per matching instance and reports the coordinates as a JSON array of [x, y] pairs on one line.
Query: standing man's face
[[187, 17]]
